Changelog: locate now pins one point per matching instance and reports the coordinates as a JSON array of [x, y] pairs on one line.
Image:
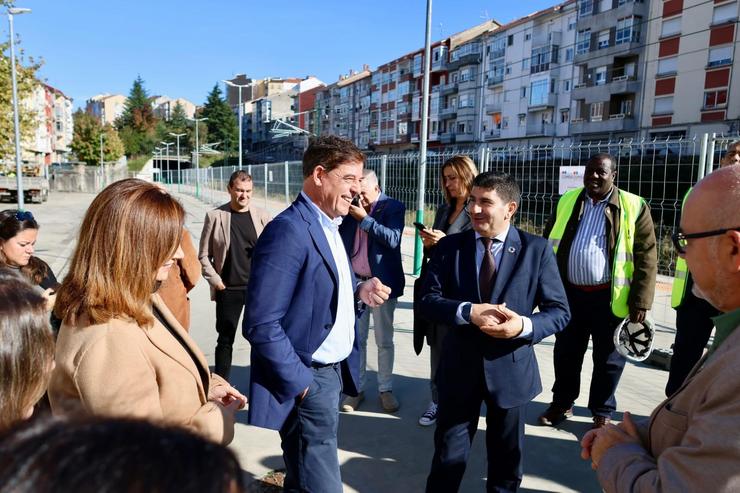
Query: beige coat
[[215, 239], [692, 441], [119, 369]]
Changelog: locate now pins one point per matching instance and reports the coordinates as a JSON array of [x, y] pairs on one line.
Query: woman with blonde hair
[[26, 348], [456, 181], [120, 351]]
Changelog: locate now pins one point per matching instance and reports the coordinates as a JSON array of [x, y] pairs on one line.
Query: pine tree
[[221, 123], [137, 125], [178, 120]]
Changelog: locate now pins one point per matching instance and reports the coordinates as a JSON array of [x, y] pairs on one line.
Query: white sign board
[[570, 177]]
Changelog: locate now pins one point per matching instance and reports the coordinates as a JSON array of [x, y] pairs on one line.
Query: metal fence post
[[287, 184], [383, 171], [482, 165], [265, 178], [702, 156], [710, 156]]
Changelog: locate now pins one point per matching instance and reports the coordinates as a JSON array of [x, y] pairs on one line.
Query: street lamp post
[[239, 86], [179, 176], [102, 162], [18, 164], [197, 156], [167, 150]]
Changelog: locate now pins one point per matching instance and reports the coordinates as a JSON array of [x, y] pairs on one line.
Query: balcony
[[540, 104], [494, 104], [464, 137], [466, 54], [447, 138], [492, 134], [593, 93], [541, 129], [467, 110], [414, 137], [449, 88], [440, 64], [618, 122], [447, 112], [495, 78]]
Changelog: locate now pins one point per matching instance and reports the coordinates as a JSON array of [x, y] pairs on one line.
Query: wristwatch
[[465, 312]]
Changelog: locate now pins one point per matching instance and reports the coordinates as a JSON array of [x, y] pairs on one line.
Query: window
[[522, 119], [467, 100], [715, 99], [585, 8], [523, 92], [498, 47], [467, 74], [569, 54], [564, 115], [525, 64], [670, 27], [604, 5], [463, 127], [541, 58], [417, 64], [508, 69], [628, 30], [566, 86], [625, 107], [505, 122], [510, 39], [720, 56], [667, 65], [403, 128], [724, 13], [583, 41], [496, 73], [663, 105], [597, 111], [527, 36], [603, 40], [600, 76], [571, 23], [539, 92]]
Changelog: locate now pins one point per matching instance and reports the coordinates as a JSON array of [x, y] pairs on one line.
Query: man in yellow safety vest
[[604, 241]]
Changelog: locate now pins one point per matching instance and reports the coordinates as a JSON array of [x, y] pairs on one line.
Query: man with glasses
[[301, 317], [485, 285], [690, 442], [693, 315], [604, 241]]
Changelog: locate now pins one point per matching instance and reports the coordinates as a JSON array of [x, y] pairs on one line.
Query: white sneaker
[[430, 415]]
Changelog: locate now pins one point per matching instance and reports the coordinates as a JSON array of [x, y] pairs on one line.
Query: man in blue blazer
[[372, 236], [486, 283], [301, 318]]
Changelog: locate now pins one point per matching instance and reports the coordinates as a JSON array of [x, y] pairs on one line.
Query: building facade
[[106, 107]]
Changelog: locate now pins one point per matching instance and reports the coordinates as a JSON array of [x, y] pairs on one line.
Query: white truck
[[35, 184]]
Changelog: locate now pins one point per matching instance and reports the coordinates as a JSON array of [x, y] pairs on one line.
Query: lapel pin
[[512, 249]]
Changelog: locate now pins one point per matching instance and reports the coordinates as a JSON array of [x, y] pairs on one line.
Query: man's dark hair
[[330, 151], [503, 183], [239, 175], [597, 158], [87, 455]]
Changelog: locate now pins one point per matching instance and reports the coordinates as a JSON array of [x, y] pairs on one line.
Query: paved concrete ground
[[381, 452]]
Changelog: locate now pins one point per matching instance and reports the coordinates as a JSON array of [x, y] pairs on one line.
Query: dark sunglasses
[[680, 240], [24, 216]]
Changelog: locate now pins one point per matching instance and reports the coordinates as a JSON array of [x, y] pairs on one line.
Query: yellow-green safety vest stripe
[[623, 267], [681, 277]]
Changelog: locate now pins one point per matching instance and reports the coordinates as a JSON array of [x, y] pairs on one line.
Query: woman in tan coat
[[120, 351]]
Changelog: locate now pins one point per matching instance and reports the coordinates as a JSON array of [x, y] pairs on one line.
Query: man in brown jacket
[[184, 275], [692, 440], [229, 235], [605, 246]]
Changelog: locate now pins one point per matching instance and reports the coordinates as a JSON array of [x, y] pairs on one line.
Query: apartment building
[[527, 86], [692, 86], [62, 124], [163, 106], [390, 106], [349, 103], [106, 107], [609, 69]]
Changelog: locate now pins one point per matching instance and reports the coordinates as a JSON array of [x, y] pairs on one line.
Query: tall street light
[[239, 86], [102, 162], [18, 164], [179, 176], [167, 150], [197, 155]]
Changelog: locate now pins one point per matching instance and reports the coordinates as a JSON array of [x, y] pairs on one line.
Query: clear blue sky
[[182, 48]]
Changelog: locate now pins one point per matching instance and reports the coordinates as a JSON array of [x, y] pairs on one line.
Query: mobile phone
[[419, 226], [356, 200]]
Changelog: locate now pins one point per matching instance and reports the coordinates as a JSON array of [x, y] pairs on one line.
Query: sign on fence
[[570, 177]]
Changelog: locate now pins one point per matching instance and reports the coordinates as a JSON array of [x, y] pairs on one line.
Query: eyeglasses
[[681, 240]]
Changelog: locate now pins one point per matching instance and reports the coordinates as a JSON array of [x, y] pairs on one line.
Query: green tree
[[137, 124], [179, 122], [222, 125], [86, 140], [27, 82]]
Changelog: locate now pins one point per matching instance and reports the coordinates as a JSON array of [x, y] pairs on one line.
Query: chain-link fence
[[661, 171]]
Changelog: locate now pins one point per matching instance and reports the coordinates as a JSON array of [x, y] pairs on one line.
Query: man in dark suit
[[372, 236], [485, 284], [300, 319]]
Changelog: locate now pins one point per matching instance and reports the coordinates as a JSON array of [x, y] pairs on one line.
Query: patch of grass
[[135, 163]]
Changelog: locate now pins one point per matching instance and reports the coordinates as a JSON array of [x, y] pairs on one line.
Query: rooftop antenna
[[484, 15], [441, 31]]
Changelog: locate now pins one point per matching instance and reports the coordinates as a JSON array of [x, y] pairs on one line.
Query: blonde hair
[[130, 229], [465, 169], [26, 347]]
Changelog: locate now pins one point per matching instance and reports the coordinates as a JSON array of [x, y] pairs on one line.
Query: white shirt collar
[[323, 218], [500, 237]]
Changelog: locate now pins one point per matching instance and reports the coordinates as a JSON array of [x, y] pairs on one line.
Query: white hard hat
[[634, 341]]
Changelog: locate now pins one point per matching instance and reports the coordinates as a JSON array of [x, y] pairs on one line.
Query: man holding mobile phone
[[372, 237]]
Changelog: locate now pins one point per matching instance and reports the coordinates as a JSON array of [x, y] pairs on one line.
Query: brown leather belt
[[590, 289]]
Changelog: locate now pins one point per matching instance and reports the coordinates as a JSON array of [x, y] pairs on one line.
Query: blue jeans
[[309, 436]]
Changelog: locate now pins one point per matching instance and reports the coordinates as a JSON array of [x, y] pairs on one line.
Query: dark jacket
[[645, 250], [384, 228]]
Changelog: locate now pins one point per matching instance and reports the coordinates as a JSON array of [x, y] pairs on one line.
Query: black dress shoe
[[555, 415]]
